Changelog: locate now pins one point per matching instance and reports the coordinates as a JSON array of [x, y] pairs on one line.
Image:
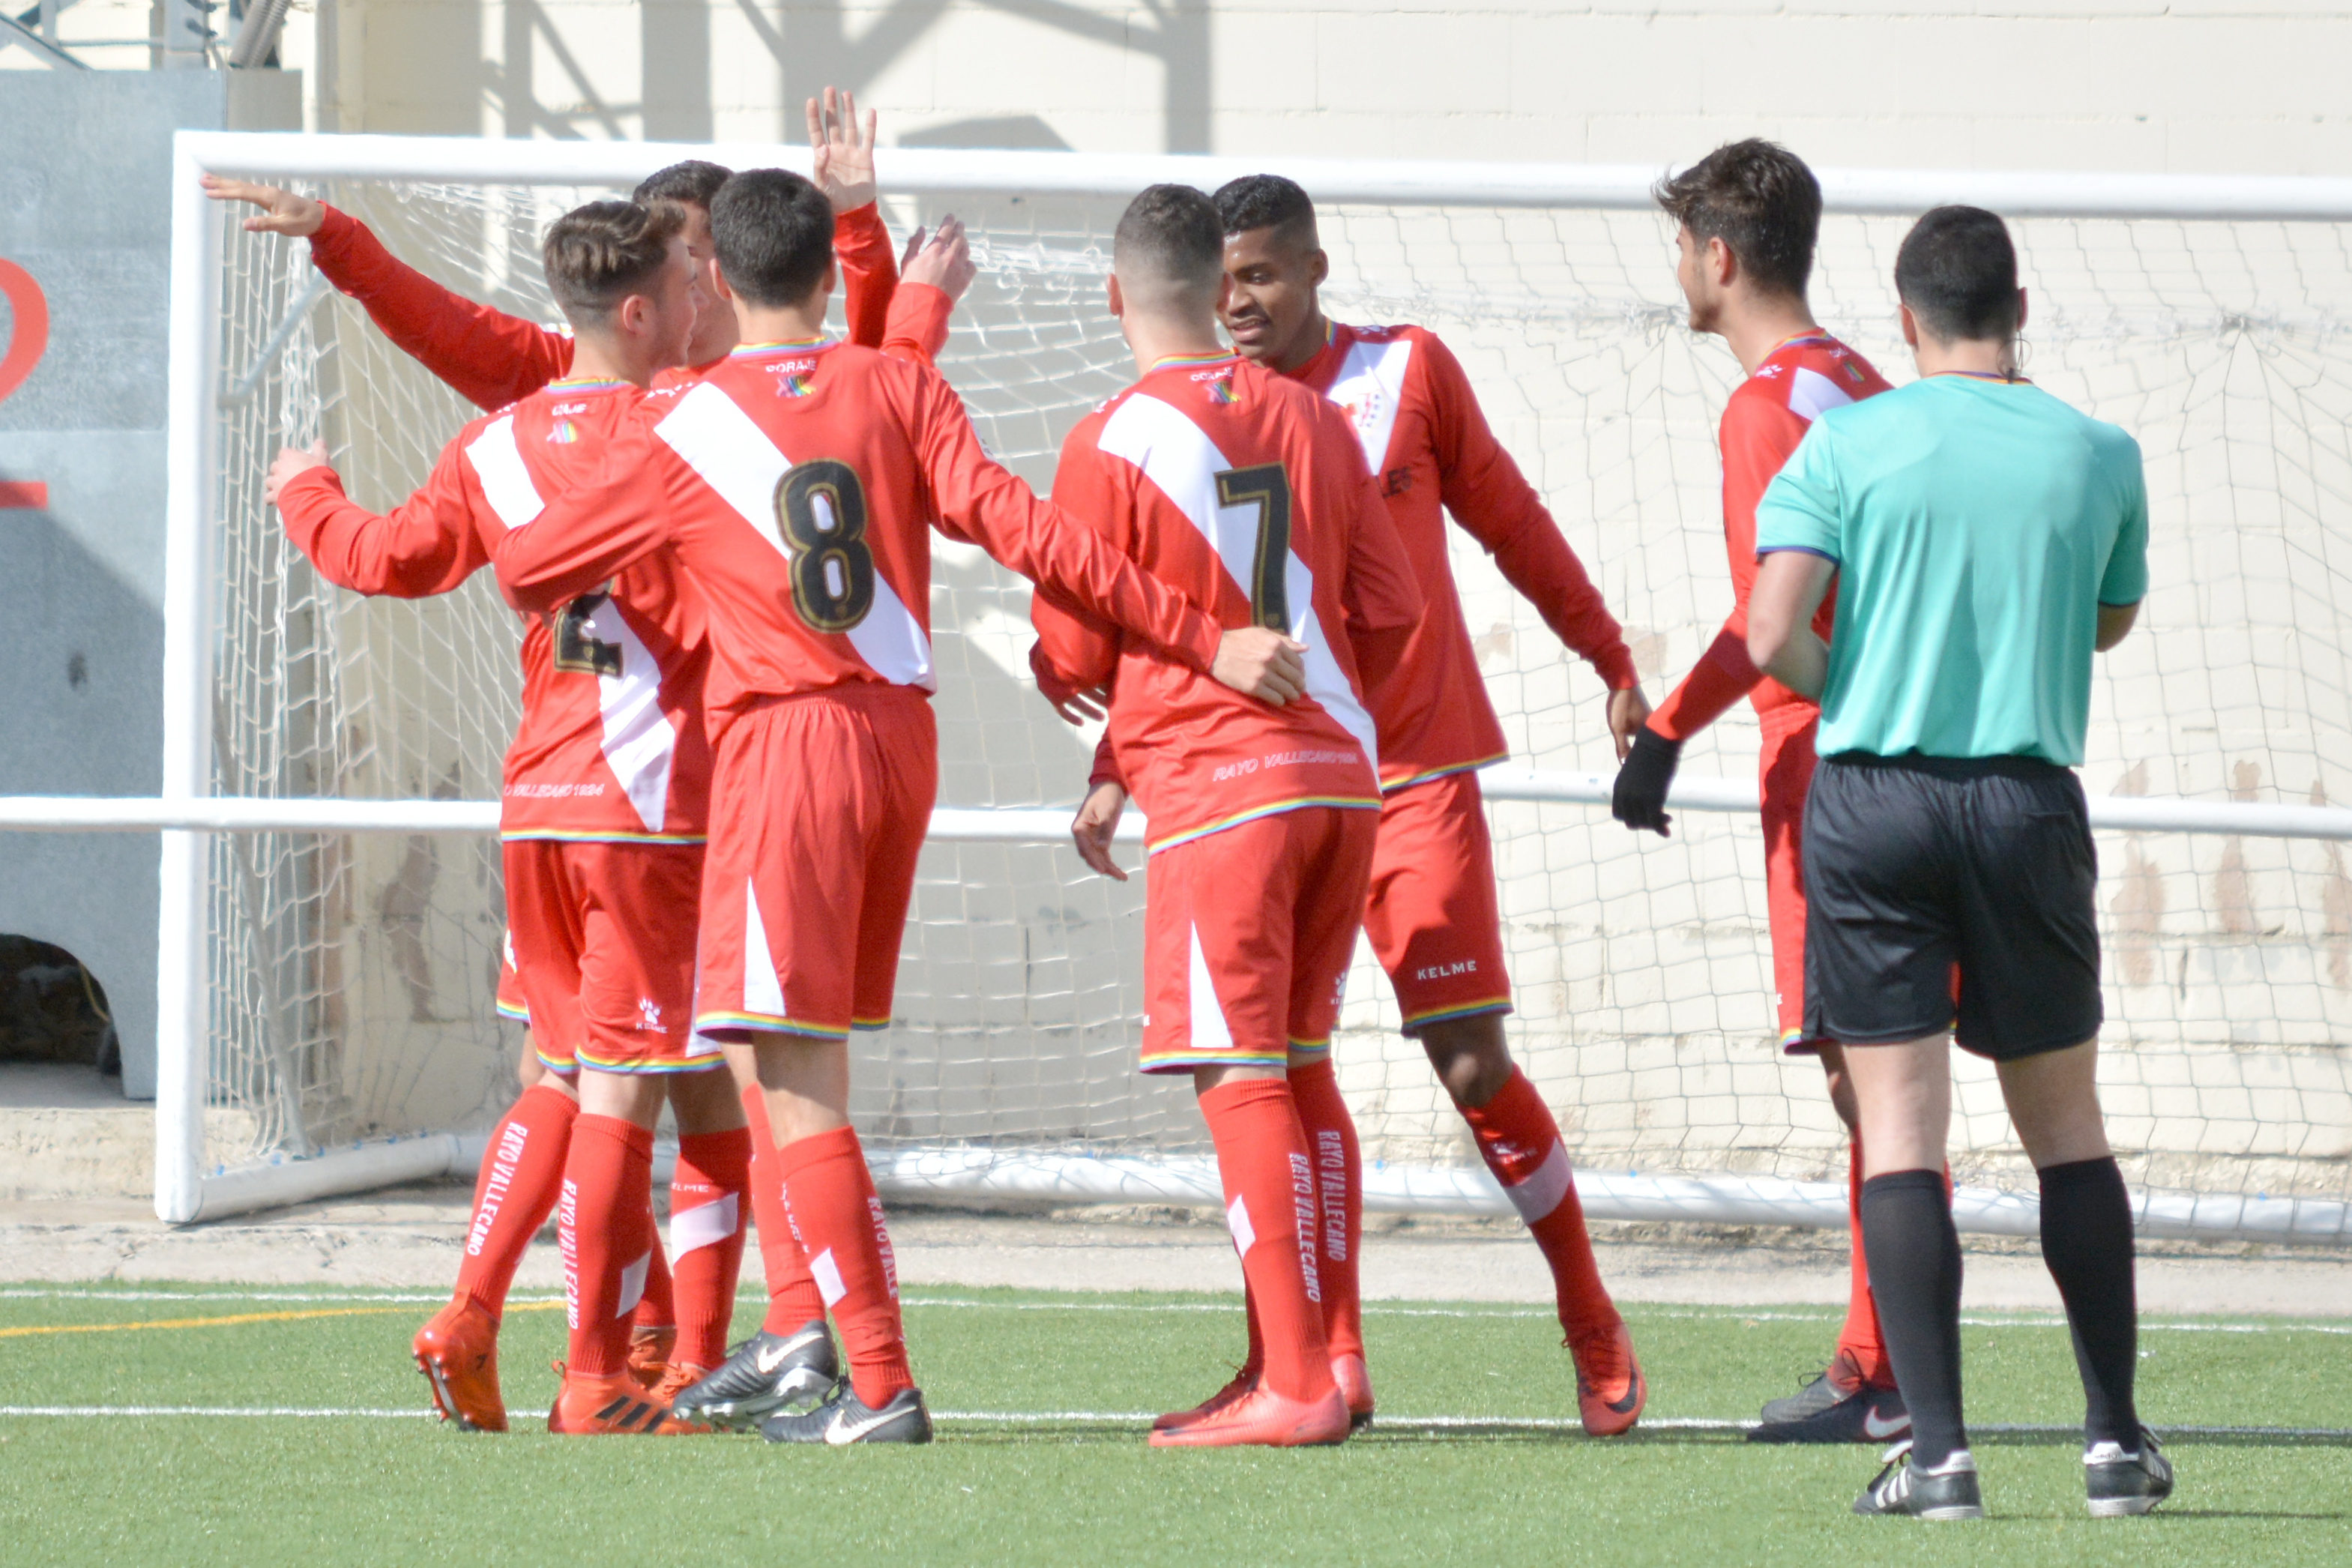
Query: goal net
[[341, 983]]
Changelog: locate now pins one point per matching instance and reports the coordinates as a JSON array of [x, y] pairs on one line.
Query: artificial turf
[[1041, 1456]]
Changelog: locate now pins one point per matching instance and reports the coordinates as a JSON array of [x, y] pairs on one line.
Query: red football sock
[[705, 1227], [1858, 1341], [793, 1302], [606, 1230], [657, 1308], [1340, 1198], [514, 1193], [1270, 1203], [839, 1220], [1520, 1143]]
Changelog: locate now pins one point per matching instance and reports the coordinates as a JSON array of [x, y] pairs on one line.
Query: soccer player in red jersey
[[605, 787], [796, 485], [493, 359], [1250, 494], [1746, 217], [1431, 912]]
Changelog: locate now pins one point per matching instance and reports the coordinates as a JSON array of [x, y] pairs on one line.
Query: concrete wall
[[2224, 86], [84, 211]]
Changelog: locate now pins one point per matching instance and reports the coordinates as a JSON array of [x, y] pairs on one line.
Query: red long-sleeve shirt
[[493, 359], [797, 485], [1428, 445], [1764, 419]]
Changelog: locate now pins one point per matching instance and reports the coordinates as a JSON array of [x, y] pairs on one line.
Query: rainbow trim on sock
[[1447, 1014], [1275, 808]]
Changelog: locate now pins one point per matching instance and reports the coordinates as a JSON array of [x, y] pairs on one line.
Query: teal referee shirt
[[1976, 525]]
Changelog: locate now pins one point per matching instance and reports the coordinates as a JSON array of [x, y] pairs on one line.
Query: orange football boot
[[618, 1404], [457, 1351], [676, 1379], [1264, 1418], [650, 1354], [1242, 1383], [1610, 1388], [1355, 1381]]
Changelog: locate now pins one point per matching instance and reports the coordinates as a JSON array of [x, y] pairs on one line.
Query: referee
[[1986, 538]]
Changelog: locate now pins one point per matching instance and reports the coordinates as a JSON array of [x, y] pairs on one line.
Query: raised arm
[[485, 356], [427, 545]]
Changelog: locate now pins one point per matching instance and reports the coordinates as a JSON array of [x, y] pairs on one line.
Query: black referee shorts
[[1916, 866]]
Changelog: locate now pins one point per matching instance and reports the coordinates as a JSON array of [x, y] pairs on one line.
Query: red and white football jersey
[[1249, 494], [493, 359], [1428, 445], [1765, 418], [611, 744], [797, 485]]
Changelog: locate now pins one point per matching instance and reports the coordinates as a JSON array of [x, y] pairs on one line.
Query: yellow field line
[[239, 1318]]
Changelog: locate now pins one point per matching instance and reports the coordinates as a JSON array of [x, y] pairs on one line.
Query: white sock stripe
[[1542, 1192], [704, 1224], [633, 1285], [1237, 1220], [828, 1275]]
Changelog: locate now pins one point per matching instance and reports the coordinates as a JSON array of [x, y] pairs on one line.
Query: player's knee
[[706, 1102], [1470, 1058]]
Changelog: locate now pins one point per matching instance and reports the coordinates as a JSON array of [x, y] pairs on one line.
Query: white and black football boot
[[1948, 1491], [761, 1376], [845, 1418], [2121, 1485]]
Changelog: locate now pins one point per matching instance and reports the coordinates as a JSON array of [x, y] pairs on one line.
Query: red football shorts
[[1246, 937], [1431, 914], [818, 808], [1785, 773], [604, 941]]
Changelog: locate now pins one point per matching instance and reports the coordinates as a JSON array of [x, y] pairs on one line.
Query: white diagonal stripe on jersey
[[1371, 387], [1237, 1220], [633, 1285], [1542, 1192], [640, 745], [1208, 1031], [710, 432], [704, 1224], [1182, 465], [762, 991], [828, 1275], [1813, 394], [506, 483], [1325, 681]]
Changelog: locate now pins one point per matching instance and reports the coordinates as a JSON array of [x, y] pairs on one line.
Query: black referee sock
[[2086, 1240], [1915, 1272]]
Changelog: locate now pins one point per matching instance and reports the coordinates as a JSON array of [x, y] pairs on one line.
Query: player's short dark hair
[[1265, 201], [772, 232], [597, 256], [1957, 271], [1169, 247], [1760, 200], [694, 182]]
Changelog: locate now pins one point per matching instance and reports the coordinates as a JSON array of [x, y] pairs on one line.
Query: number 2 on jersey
[[820, 511], [1269, 487]]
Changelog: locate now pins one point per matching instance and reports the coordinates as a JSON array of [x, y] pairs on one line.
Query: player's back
[[611, 742], [1245, 492], [798, 502]]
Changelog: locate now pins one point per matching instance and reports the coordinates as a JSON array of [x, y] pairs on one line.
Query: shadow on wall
[[1008, 133]]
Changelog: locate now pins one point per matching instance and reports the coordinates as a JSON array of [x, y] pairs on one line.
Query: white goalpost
[[330, 899]]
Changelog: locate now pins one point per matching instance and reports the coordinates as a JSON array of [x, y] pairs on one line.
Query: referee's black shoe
[[2121, 1485], [845, 1418], [1838, 1406], [764, 1375], [1948, 1491]]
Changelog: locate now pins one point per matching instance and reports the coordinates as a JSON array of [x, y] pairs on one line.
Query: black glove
[[1639, 800]]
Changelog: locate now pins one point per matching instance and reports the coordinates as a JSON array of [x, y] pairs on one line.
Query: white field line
[[1121, 1417], [1371, 1309]]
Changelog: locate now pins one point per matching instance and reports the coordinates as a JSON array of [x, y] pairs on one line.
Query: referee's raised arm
[[1987, 540]]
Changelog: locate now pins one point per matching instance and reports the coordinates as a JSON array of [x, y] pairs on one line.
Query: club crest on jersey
[[1363, 411]]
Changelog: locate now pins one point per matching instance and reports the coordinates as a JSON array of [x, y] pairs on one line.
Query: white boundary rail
[[186, 812]]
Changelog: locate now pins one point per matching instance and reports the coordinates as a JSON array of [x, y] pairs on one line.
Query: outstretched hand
[[1092, 828], [842, 167], [941, 259], [1262, 663], [282, 211], [288, 464]]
